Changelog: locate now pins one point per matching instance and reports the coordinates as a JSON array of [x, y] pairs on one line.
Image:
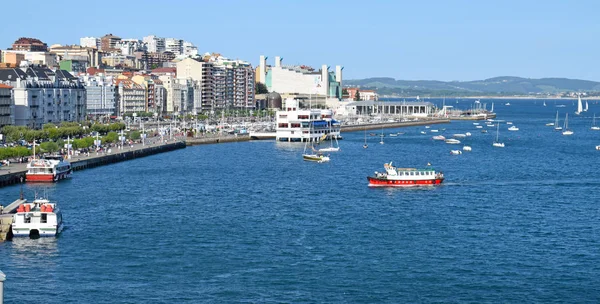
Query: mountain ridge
[[501, 85]]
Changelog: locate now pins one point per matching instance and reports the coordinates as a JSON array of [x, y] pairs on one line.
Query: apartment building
[[42, 95], [101, 95], [6, 106], [131, 97]]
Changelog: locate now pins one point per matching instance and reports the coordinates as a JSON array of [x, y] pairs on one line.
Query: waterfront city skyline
[[437, 40]]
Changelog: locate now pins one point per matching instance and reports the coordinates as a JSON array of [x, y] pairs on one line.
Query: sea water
[[253, 222]]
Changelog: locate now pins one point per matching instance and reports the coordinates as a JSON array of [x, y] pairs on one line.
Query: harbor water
[[252, 222]]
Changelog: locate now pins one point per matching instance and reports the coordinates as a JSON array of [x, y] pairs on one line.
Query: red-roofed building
[[165, 72], [94, 71], [30, 45], [364, 94], [7, 106]]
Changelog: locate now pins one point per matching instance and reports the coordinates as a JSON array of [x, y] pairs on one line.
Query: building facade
[[300, 79], [44, 96], [109, 42], [90, 42], [7, 106], [101, 95], [29, 45], [154, 44], [131, 97]]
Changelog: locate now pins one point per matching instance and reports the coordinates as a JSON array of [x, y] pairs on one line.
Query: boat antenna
[[21, 192]]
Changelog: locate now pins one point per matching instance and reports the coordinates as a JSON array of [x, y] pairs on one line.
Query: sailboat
[[567, 131], [594, 126], [544, 103], [579, 106], [331, 148], [556, 126], [313, 155], [586, 106], [381, 142], [497, 143], [365, 145]]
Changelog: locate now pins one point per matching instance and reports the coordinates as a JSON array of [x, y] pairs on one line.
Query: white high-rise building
[[100, 94], [189, 49], [154, 44], [91, 42], [174, 46]]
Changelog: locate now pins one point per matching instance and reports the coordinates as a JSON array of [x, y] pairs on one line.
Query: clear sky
[[420, 39]]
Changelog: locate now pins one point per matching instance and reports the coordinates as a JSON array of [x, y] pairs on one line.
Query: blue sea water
[[253, 223]]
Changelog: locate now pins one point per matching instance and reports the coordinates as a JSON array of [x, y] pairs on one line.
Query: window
[[44, 218]]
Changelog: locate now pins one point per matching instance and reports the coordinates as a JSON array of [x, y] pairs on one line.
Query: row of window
[[413, 173]]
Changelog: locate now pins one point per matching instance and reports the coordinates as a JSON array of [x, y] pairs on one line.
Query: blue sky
[[440, 40]]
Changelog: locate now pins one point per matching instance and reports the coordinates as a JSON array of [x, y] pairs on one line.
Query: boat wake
[[580, 182]]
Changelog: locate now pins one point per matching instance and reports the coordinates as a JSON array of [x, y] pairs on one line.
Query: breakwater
[[389, 125]]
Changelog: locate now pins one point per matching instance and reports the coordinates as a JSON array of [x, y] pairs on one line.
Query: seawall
[[15, 173]]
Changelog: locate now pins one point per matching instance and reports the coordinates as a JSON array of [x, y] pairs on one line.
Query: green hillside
[[500, 86]]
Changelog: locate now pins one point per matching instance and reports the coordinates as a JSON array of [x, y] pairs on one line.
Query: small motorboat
[[467, 148], [455, 152]]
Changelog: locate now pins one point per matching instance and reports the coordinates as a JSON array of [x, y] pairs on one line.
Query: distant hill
[[502, 86]]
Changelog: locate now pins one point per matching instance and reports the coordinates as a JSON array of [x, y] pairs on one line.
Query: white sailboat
[[586, 107], [544, 103], [579, 105], [556, 126], [313, 155], [567, 131], [497, 143], [381, 142], [594, 126], [365, 145], [332, 138]]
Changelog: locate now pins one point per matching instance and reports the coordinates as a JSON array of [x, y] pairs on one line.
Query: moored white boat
[[598, 147], [433, 131], [452, 141], [479, 127], [468, 134], [594, 127], [317, 157], [438, 137], [36, 219], [455, 152], [460, 135], [405, 177], [467, 148], [513, 128]]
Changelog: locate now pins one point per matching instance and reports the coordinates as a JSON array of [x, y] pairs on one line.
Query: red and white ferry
[[48, 169], [403, 177]]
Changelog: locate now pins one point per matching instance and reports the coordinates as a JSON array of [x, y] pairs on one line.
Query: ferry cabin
[[302, 125]]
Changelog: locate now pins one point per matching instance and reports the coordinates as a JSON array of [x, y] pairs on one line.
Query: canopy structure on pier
[[370, 107]]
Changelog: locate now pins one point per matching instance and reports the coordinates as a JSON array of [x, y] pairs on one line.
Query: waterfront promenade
[[15, 172]]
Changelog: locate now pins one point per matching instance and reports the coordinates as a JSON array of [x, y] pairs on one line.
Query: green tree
[[135, 135], [260, 88], [111, 137], [49, 146], [357, 95], [345, 92]]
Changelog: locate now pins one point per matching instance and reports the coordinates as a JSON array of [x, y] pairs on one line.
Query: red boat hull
[[383, 182], [46, 178]]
